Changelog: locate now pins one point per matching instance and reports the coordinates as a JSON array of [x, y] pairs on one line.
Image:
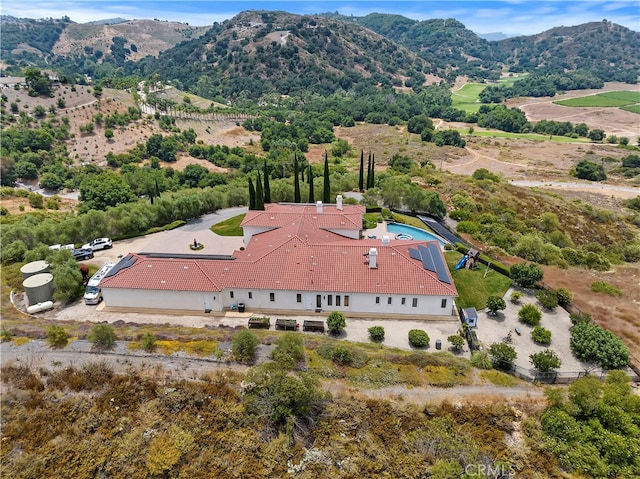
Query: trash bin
[[438, 344], [241, 307]]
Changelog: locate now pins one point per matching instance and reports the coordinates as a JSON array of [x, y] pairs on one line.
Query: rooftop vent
[[385, 241], [373, 257], [339, 202], [319, 207]]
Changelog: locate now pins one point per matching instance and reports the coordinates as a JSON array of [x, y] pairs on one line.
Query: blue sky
[[509, 17]]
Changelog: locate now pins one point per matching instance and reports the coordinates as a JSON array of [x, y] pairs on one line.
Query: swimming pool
[[410, 232]]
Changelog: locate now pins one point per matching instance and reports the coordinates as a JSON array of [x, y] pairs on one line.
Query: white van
[[93, 294]]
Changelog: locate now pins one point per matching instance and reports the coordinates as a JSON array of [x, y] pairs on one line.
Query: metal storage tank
[[33, 268], [39, 288]]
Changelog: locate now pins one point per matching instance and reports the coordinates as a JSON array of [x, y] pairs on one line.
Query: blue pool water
[[412, 232]]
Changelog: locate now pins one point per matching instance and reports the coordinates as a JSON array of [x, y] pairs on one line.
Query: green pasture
[[631, 108], [524, 136], [603, 100]]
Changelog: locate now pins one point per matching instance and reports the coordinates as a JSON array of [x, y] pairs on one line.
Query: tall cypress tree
[[312, 196], [259, 194], [373, 171], [326, 193], [369, 171], [267, 186], [296, 180], [361, 177], [252, 195]]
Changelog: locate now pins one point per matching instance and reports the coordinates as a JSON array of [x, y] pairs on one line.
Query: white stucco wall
[[187, 300]]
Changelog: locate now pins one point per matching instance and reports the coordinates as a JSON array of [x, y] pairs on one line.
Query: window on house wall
[[272, 297], [330, 300], [414, 303], [443, 303], [346, 300], [250, 295], [377, 299], [389, 300], [231, 294], [337, 300], [298, 298], [404, 300]]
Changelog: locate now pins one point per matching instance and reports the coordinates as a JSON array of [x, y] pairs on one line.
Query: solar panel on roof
[[122, 264], [414, 253], [441, 269], [427, 260]]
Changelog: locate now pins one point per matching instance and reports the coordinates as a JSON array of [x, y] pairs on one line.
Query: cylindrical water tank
[[36, 308], [33, 268], [39, 288]]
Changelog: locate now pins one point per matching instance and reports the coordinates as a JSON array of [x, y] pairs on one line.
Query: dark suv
[[82, 253]]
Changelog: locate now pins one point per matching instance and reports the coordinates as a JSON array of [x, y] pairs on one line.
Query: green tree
[[495, 304], [36, 200], [456, 341], [526, 274], [97, 192], [530, 315], [244, 346], [148, 342], [564, 297], [541, 335], [252, 196], [51, 181], [326, 191], [596, 135], [259, 194], [267, 186], [545, 360], [591, 343], [418, 338], [312, 197], [39, 111], [376, 333], [57, 337], [336, 322], [108, 133], [361, 172], [102, 336], [296, 180], [503, 355], [67, 281], [587, 170]]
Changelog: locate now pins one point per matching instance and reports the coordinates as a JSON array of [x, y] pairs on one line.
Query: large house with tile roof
[[297, 258]]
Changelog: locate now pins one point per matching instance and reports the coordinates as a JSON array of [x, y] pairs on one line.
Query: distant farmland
[[627, 99]]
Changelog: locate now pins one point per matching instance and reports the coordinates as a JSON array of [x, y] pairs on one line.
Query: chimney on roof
[[373, 256], [339, 202], [319, 207], [385, 241]]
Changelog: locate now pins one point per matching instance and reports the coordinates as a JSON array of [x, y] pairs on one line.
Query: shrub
[[495, 304], [336, 322], [547, 298], [564, 297], [376, 333], [541, 335], [516, 296], [342, 354], [591, 343], [579, 317], [481, 360], [526, 274], [418, 338], [57, 337], [545, 360], [6, 334], [456, 341], [244, 346], [36, 200], [606, 288], [102, 336], [530, 315], [289, 350], [148, 341], [503, 354]]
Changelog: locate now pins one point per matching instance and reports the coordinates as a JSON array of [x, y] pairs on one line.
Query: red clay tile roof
[[281, 214], [298, 256]]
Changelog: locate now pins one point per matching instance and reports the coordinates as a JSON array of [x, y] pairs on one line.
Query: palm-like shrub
[[530, 315]]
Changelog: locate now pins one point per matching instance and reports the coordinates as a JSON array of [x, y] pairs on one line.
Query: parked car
[[99, 243], [81, 254]]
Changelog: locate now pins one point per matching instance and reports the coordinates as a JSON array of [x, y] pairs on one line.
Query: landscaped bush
[[456, 341], [526, 274], [564, 297], [342, 354], [495, 304], [336, 322], [289, 350], [547, 298], [418, 338], [244, 346], [376, 333], [545, 360], [516, 296], [541, 335], [530, 315], [503, 355]]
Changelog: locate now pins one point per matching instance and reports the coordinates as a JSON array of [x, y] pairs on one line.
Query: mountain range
[[264, 51]]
